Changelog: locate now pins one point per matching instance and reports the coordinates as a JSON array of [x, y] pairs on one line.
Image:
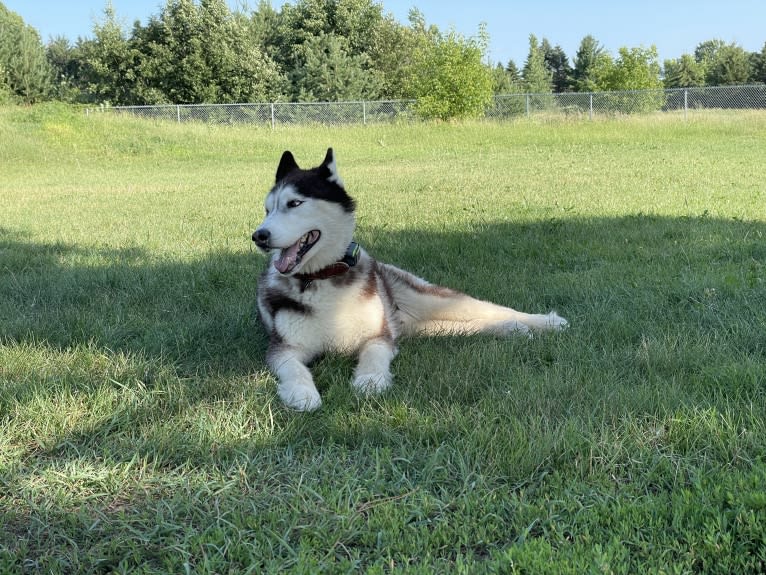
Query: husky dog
[[322, 292]]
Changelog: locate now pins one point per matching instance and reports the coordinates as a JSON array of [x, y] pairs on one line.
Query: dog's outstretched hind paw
[[556, 322]]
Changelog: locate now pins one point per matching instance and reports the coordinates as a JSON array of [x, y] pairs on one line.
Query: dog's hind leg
[[373, 374], [296, 386], [434, 310], [463, 315]]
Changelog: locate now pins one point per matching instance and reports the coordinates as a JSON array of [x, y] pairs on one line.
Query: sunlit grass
[[140, 431]]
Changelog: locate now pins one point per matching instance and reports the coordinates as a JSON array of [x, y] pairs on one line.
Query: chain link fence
[[681, 101]]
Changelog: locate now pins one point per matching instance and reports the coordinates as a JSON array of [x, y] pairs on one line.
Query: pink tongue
[[287, 258]]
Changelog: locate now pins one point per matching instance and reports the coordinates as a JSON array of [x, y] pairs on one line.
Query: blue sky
[[674, 26]]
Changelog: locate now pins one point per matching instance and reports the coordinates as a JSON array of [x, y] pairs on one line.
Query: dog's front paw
[[300, 396], [372, 383]]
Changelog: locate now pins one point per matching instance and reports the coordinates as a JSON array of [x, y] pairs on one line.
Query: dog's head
[[309, 217]]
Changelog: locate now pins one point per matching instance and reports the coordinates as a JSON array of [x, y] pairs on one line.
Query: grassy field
[[140, 431]]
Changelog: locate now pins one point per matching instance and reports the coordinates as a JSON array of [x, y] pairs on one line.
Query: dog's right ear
[[286, 165]]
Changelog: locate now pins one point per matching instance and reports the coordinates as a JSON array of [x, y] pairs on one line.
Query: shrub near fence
[[506, 106]]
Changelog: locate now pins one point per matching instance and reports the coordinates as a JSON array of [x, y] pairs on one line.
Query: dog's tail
[[429, 309]]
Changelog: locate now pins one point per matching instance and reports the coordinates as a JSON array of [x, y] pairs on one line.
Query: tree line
[[201, 51]]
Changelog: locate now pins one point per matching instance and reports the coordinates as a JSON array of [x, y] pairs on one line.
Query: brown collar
[[338, 268]]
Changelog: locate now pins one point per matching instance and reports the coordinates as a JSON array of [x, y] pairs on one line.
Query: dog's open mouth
[[291, 256]]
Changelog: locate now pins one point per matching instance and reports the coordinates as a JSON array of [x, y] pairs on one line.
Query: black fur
[[313, 183], [276, 301]]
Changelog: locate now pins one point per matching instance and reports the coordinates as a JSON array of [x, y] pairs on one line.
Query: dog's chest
[[330, 318]]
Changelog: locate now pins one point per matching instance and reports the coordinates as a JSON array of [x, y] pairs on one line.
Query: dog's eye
[[294, 203]]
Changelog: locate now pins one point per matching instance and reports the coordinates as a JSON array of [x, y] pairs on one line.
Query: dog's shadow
[[196, 315]]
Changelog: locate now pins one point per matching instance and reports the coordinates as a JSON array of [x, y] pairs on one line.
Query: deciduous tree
[[449, 78], [731, 65], [108, 64]]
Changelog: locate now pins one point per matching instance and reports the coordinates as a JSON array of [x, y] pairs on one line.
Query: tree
[[723, 63], [589, 54], [730, 65], [391, 54], [237, 69], [685, 72], [24, 69], [65, 60], [327, 72], [194, 53], [449, 78], [108, 64], [513, 73], [634, 69], [501, 80], [359, 22], [759, 69], [536, 75], [706, 52], [557, 63]]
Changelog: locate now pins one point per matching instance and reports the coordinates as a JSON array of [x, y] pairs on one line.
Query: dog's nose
[[261, 237]]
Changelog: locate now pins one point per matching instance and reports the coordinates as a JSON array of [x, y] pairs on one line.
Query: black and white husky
[[322, 292]]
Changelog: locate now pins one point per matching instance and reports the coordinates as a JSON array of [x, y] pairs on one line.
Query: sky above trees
[[675, 27]]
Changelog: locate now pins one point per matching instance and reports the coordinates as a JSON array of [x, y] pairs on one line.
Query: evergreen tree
[[685, 72], [588, 56], [513, 73], [358, 22], [536, 75], [557, 63], [501, 80], [327, 72], [25, 73]]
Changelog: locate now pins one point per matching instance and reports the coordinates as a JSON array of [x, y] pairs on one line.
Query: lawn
[[140, 430]]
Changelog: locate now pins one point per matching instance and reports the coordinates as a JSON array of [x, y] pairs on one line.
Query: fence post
[[272, 115], [686, 101], [590, 111], [178, 113], [364, 113], [526, 99]]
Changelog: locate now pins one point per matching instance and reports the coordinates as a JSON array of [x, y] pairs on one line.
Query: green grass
[[140, 430]]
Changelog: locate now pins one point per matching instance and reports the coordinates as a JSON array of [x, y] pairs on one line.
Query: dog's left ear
[[329, 169]]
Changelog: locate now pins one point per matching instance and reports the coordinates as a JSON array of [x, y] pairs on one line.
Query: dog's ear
[[329, 169], [286, 165]]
